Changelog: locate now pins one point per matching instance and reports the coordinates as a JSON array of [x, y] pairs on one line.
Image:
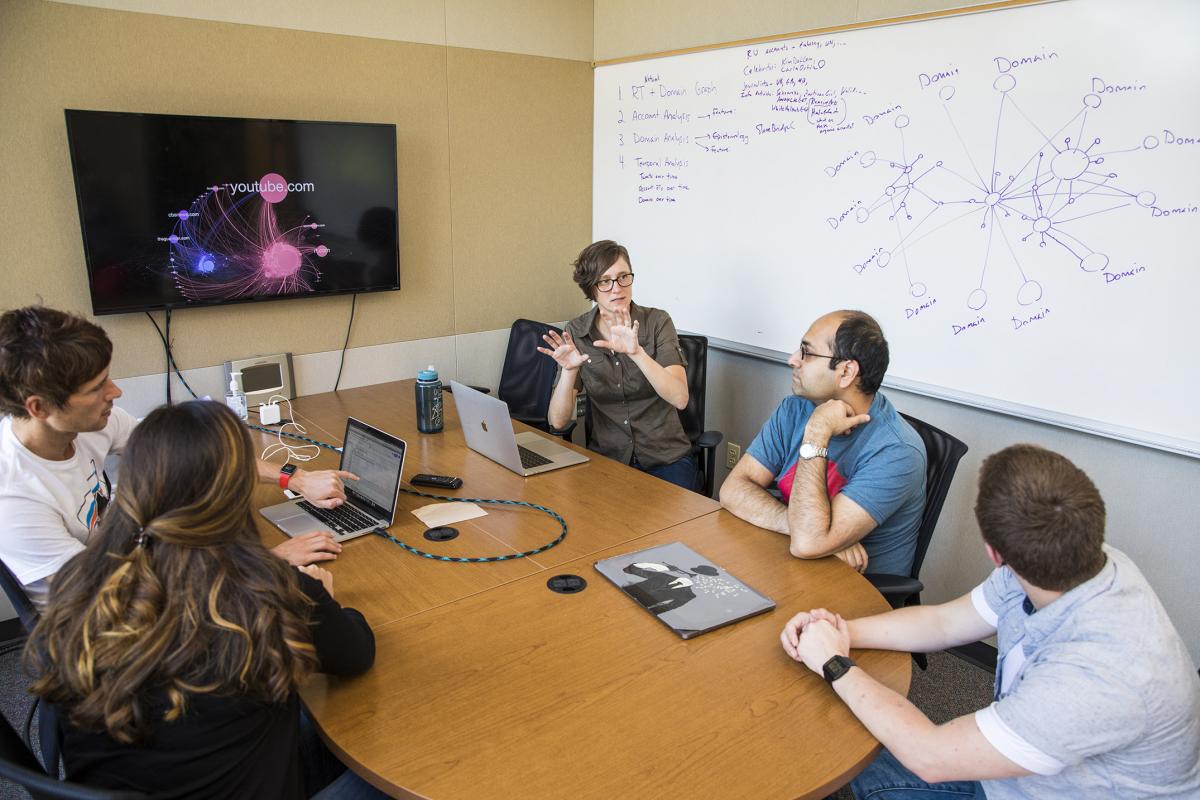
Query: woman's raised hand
[[563, 350], [622, 332]]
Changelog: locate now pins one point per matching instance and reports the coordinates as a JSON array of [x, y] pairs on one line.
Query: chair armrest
[[709, 439], [485, 390], [895, 585]]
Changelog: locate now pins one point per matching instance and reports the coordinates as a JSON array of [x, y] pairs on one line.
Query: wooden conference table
[[487, 684]]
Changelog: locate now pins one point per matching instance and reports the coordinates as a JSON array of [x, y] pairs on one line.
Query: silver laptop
[[377, 458], [489, 432]]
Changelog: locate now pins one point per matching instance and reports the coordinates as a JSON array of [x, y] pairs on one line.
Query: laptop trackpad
[[295, 522], [540, 445]]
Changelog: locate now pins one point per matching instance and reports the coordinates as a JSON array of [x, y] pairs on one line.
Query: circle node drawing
[[1069, 164], [1029, 293]]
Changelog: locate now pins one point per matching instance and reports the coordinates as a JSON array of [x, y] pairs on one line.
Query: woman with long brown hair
[[173, 645]]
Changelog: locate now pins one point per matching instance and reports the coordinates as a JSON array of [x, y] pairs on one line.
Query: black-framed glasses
[[606, 284], [805, 353]]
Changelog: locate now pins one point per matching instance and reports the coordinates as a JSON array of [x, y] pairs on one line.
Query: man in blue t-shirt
[[851, 470]]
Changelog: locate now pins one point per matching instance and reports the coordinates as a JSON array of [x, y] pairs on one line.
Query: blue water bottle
[[429, 401]]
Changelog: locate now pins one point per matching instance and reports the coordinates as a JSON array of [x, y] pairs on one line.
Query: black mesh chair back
[[942, 454], [704, 443], [527, 378], [18, 765]]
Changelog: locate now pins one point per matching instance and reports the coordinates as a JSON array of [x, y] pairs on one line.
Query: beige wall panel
[[889, 9], [521, 172], [554, 28], [403, 20], [55, 56], [636, 27]]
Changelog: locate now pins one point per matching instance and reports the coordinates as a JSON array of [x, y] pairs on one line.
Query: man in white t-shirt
[[59, 425], [1095, 696]]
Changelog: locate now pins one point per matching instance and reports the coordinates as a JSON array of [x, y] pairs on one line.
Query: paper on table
[[447, 513]]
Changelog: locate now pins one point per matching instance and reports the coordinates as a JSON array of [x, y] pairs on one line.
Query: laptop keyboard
[[343, 519], [530, 459]]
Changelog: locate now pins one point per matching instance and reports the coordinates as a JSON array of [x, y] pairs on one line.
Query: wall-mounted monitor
[[181, 211]]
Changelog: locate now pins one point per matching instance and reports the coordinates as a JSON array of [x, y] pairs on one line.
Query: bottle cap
[[429, 374]]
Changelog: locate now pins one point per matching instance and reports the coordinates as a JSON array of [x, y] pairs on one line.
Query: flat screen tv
[[181, 211]]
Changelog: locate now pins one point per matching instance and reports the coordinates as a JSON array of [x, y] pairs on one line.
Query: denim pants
[[682, 473], [885, 778], [326, 778]]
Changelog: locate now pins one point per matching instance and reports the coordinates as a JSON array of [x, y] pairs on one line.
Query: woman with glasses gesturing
[[628, 360], [174, 644]]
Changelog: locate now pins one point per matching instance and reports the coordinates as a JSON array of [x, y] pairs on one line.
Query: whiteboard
[[1014, 195]]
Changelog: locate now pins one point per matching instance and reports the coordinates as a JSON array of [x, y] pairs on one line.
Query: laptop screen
[[377, 459]]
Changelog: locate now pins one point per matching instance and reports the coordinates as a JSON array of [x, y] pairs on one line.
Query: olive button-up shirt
[[629, 420]]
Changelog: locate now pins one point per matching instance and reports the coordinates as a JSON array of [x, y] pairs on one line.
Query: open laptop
[[489, 432], [377, 458]]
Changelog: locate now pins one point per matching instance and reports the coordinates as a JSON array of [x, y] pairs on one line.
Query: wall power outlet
[[732, 453]]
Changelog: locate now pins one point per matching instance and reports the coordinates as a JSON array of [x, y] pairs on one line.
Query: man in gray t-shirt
[[1095, 693]]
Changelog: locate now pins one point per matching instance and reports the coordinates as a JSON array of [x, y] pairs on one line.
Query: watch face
[[836, 667], [808, 450]]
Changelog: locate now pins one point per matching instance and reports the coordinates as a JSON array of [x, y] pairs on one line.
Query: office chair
[[527, 378], [942, 454], [704, 443], [18, 765], [20, 601]]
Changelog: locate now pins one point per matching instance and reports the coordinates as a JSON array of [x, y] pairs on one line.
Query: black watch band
[[836, 667]]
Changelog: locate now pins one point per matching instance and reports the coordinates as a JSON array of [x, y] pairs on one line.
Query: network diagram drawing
[[1034, 197]]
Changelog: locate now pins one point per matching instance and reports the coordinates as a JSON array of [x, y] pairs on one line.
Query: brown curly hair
[[176, 595]]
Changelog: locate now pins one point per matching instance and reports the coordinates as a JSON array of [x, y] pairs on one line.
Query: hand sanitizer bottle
[[235, 398]]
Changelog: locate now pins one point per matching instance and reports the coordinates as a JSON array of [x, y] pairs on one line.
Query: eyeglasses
[[805, 353], [606, 284]]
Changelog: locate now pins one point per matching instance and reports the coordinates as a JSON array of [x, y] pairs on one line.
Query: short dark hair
[[593, 261], [1043, 515], [48, 353], [859, 338]]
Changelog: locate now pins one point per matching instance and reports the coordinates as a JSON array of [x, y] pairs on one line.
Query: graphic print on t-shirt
[[95, 499], [834, 480]]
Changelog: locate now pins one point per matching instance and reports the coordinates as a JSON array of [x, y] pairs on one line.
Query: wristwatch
[[836, 667], [285, 474], [810, 451]]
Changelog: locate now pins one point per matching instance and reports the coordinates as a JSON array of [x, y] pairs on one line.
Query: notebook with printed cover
[[683, 589]]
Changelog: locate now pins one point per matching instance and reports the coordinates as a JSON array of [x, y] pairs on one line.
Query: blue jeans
[[682, 473], [322, 771], [885, 778], [349, 787]]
